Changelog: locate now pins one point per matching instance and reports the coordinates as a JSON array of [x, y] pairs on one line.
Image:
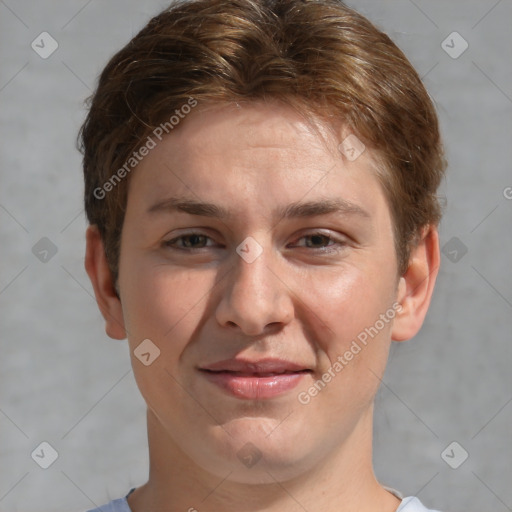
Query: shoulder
[[119, 505], [413, 504], [408, 504]]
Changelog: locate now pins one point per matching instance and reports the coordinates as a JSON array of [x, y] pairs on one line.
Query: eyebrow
[[293, 210]]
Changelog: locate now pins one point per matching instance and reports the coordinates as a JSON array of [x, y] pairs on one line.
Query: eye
[[197, 240], [193, 240], [319, 241]]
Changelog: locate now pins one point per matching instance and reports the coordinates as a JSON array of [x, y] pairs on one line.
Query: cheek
[[345, 302], [352, 353], [354, 343], [163, 304]]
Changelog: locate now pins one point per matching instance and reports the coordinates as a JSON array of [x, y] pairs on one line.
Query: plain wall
[[65, 382]]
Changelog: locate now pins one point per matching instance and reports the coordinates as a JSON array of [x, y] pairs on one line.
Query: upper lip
[[267, 365]]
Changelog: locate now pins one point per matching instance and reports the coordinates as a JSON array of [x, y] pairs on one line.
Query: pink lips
[[263, 379]]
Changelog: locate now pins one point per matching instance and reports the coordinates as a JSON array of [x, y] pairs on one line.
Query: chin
[[268, 469], [249, 455]]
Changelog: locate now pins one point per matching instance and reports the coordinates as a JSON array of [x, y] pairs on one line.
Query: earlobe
[[97, 268], [416, 286]]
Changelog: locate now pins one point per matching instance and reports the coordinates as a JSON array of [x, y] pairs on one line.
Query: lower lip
[[251, 387]]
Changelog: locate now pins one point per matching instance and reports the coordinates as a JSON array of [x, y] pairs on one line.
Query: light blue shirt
[[408, 504]]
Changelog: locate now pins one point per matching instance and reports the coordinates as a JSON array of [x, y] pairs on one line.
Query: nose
[[256, 296]]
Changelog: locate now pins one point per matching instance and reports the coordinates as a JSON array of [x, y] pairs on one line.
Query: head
[[254, 107]]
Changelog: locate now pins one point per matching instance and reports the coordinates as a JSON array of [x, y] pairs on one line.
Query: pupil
[[317, 239], [193, 239]]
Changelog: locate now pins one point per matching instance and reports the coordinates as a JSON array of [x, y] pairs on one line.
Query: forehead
[[273, 125], [254, 155]]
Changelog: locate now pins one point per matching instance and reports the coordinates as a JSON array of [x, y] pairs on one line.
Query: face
[[290, 267]]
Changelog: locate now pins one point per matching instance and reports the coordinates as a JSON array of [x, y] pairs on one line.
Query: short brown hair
[[316, 55]]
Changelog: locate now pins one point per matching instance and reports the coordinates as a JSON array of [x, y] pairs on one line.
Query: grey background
[[65, 382]]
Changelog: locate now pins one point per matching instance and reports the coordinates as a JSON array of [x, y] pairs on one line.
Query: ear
[[416, 286], [101, 278]]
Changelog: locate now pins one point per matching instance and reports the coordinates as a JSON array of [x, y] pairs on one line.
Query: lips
[[255, 380]]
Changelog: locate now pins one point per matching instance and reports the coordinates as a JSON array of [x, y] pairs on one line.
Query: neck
[[344, 481]]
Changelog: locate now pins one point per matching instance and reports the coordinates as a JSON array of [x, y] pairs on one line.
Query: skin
[[295, 301]]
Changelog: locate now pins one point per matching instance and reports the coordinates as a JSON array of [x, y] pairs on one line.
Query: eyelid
[[328, 234]]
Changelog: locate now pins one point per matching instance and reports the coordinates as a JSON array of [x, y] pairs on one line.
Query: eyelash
[[328, 249]]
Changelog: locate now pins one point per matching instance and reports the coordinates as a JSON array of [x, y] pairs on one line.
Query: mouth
[[256, 374], [257, 380]]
